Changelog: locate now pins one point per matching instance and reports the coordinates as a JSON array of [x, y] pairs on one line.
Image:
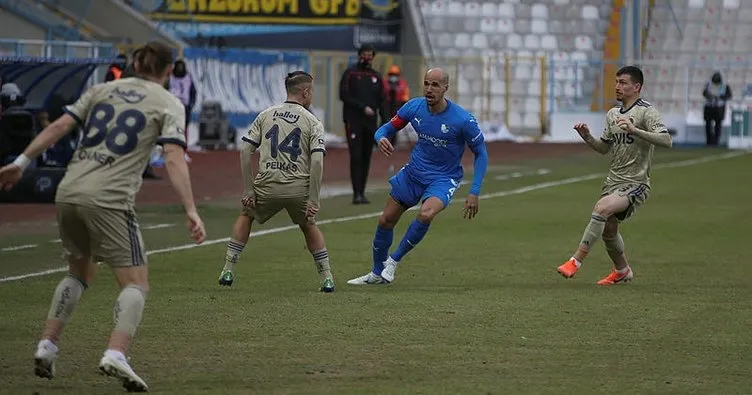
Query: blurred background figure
[[397, 94], [115, 71], [716, 95], [362, 93], [182, 86]]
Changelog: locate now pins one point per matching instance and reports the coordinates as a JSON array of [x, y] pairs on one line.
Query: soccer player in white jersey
[[632, 131], [122, 121]]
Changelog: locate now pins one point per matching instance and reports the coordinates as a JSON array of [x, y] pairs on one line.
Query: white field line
[[326, 193], [17, 248], [517, 191]]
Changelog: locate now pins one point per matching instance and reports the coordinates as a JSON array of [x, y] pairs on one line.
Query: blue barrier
[[245, 82], [45, 79]]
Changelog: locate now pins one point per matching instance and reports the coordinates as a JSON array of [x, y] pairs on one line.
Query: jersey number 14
[[289, 145]]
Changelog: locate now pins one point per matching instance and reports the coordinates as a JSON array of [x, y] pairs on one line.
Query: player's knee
[[388, 220], [427, 214], [603, 208]]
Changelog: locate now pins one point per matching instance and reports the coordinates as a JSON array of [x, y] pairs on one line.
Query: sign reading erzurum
[[377, 22], [294, 12]]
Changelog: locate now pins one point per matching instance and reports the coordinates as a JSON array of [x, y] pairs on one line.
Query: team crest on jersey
[[444, 128], [286, 116], [130, 96]]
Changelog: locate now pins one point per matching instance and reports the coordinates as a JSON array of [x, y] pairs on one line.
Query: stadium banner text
[[272, 12]]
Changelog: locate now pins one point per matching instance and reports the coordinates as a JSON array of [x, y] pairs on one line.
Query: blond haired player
[[632, 130], [122, 121], [290, 140]]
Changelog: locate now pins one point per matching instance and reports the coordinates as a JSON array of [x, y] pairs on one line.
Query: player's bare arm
[[177, 170], [248, 198], [314, 186], [598, 145], [11, 174], [661, 139]]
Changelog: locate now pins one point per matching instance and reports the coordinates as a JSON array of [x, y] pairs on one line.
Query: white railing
[[57, 49]]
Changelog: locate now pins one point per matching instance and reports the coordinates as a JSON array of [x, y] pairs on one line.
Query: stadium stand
[[507, 46], [109, 21], [25, 19], [688, 40]]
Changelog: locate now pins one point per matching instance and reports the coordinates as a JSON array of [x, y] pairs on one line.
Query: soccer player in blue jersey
[[432, 175]]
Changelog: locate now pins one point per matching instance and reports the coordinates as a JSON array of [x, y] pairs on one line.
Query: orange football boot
[[615, 277], [568, 269]]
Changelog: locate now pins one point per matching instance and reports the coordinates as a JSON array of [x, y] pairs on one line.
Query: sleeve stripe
[[172, 140], [605, 140], [249, 141], [73, 115], [323, 151]]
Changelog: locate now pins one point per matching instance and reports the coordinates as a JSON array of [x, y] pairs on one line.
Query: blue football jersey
[[442, 139]]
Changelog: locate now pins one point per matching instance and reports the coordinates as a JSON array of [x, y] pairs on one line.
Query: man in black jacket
[[362, 94]]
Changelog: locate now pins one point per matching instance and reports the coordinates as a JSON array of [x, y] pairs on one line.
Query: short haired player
[[432, 175], [122, 120], [290, 140], [632, 131]]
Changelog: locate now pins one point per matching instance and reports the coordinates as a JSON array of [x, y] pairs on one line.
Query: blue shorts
[[409, 191]]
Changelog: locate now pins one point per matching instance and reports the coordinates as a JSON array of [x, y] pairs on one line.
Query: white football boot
[[368, 279], [114, 364], [390, 266], [44, 359]]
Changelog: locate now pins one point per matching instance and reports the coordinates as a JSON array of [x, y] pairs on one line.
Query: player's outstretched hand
[[248, 199], [10, 175], [582, 129], [471, 207], [196, 227], [385, 146], [311, 211]]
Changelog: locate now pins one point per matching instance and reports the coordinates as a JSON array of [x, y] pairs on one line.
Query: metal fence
[[57, 49]]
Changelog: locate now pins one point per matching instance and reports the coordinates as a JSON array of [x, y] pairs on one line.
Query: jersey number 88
[[120, 140]]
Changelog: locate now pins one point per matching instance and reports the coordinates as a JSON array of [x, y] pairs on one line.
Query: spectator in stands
[[362, 95], [115, 71], [716, 95], [397, 94], [181, 85]]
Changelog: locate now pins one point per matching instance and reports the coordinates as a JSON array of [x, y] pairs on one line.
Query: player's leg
[[430, 208], [81, 270], [405, 193], [241, 231], [615, 248], [382, 240], [608, 205], [297, 210], [121, 246]]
